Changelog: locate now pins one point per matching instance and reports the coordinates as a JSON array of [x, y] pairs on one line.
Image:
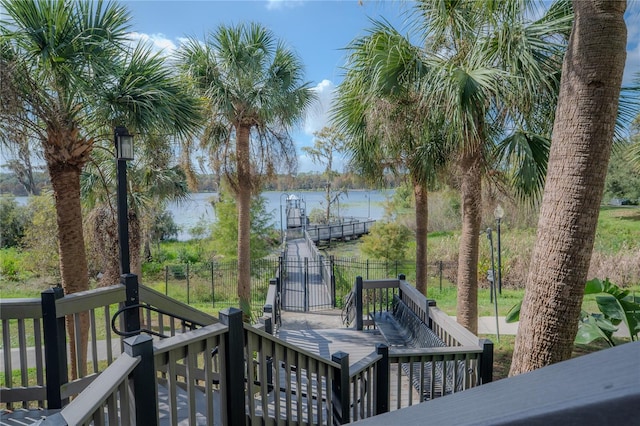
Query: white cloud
[[159, 42], [318, 114], [280, 4]]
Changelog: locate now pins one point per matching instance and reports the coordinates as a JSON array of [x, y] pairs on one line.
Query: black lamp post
[[283, 227], [492, 279], [369, 204], [124, 152], [498, 213]]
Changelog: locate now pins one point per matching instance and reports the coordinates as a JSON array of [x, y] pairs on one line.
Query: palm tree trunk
[[422, 216], [243, 197], [135, 244], [471, 193], [65, 180], [105, 238], [580, 149]]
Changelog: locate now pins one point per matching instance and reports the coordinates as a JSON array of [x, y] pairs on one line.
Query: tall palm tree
[[378, 107], [60, 50], [491, 68], [481, 66], [582, 138], [69, 65], [255, 93]]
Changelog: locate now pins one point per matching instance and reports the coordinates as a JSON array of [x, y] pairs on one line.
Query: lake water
[[357, 203], [360, 204]]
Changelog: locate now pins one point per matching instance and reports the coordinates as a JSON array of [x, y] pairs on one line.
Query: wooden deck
[[300, 329], [325, 342]]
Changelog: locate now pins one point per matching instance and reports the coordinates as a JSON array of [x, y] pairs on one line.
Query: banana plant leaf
[[593, 327], [616, 306]]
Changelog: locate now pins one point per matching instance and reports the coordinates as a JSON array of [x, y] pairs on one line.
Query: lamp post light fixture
[[498, 213], [303, 214], [124, 153], [283, 227]]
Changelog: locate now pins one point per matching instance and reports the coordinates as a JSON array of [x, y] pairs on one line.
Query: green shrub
[[10, 264], [12, 222], [388, 241]]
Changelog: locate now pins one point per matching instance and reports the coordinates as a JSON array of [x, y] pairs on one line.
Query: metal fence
[[216, 283]]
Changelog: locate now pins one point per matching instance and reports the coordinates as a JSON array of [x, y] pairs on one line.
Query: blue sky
[[317, 30]]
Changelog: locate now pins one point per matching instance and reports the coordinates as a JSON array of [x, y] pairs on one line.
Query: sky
[[318, 30]]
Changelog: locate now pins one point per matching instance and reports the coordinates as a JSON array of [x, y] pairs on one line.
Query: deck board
[[324, 342]]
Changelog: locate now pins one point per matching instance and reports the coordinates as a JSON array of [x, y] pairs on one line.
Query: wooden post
[[268, 325], [306, 284], [234, 397], [340, 390], [131, 316], [486, 361], [359, 303], [55, 348], [213, 292], [188, 286], [382, 380], [144, 380]]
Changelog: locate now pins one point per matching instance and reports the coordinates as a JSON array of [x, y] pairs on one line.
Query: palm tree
[[69, 66], [255, 93], [59, 48], [377, 105], [489, 68], [475, 73], [581, 144]]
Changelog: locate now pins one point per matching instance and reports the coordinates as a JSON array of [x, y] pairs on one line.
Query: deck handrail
[[22, 318], [109, 391], [339, 231], [210, 360], [468, 359]]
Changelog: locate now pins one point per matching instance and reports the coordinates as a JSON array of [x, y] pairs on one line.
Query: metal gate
[[306, 284]]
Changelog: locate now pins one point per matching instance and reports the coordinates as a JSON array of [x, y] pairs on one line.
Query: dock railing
[[339, 231]]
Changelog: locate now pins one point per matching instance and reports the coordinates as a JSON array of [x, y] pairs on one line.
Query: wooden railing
[[23, 352], [107, 399], [458, 362], [226, 371], [34, 333]]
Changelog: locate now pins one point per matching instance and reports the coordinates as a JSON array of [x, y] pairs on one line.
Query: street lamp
[[498, 213], [282, 227], [492, 279], [124, 152], [369, 205], [303, 214]]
